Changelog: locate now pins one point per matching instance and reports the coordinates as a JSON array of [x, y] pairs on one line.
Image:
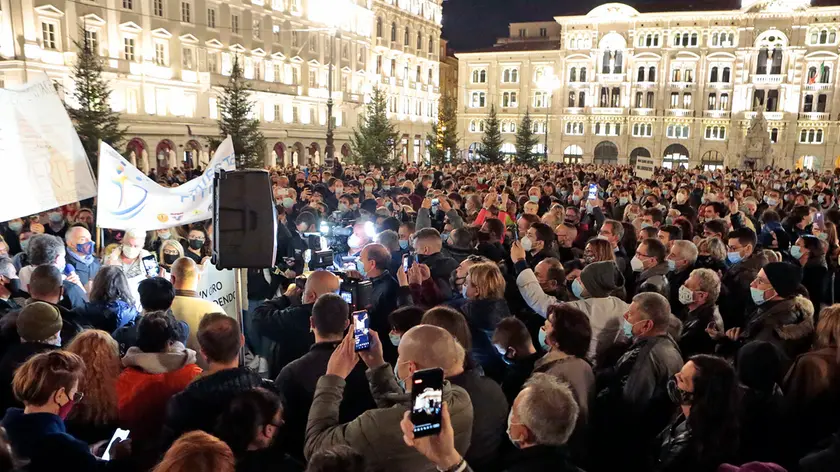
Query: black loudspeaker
[[244, 220]]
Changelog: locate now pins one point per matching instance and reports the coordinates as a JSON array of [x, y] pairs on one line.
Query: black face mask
[[196, 244], [678, 395], [570, 222], [169, 259]]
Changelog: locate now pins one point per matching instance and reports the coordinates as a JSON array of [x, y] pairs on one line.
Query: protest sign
[[218, 286], [644, 167], [44, 163], [129, 199]]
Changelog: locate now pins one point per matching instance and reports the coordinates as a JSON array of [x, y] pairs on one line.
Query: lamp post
[[329, 159], [548, 83]]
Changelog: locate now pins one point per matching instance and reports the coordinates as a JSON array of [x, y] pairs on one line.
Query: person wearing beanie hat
[[782, 315], [39, 327]]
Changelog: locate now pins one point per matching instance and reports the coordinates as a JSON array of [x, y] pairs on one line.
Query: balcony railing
[[816, 87], [643, 111], [607, 110], [611, 77], [381, 43], [767, 79], [815, 116], [768, 115], [719, 85], [574, 110], [681, 85], [396, 46], [679, 112], [716, 114]]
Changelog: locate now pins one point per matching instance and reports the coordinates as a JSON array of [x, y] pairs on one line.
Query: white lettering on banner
[[44, 163], [218, 286], [644, 168], [129, 199]]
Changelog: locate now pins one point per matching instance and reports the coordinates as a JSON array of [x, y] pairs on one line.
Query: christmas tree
[[235, 120], [526, 141], [375, 141], [490, 151]]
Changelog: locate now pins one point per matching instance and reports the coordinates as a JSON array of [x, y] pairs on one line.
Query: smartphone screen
[[819, 220], [407, 259], [426, 401], [361, 327], [151, 265], [593, 192], [122, 435], [347, 297], [731, 195]]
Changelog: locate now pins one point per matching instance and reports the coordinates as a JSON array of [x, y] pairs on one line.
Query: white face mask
[[686, 295], [130, 252], [527, 244], [636, 264], [510, 423]]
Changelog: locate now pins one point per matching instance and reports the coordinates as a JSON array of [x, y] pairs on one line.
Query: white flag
[[129, 199], [43, 162]]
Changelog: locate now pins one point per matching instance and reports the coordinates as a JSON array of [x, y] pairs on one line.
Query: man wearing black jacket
[[286, 327], [539, 244], [199, 405], [296, 382], [428, 246]]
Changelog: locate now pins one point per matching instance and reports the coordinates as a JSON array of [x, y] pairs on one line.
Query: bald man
[[187, 305], [284, 325], [387, 294], [376, 433], [80, 255]]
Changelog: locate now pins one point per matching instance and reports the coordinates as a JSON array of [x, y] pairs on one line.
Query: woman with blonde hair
[[197, 451], [711, 254], [96, 418], [812, 385], [484, 306], [170, 251]]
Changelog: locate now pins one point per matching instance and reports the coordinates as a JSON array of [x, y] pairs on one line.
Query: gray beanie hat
[[600, 279]]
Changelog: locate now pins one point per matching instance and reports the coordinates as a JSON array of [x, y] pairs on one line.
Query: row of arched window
[[811, 136], [823, 36], [716, 133], [574, 77], [406, 35], [574, 128], [677, 131], [643, 130]]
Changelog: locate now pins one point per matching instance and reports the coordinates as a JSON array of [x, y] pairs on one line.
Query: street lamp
[[548, 83], [329, 159]]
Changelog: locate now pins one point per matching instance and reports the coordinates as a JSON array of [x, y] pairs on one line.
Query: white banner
[[129, 199], [644, 167], [42, 159], [218, 286]]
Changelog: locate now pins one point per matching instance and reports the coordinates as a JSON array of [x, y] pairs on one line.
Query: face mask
[[170, 259], [796, 252], [368, 188], [543, 343], [386, 187], [86, 248], [288, 202], [734, 257], [16, 226], [343, 207], [24, 244], [623, 200], [645, 224], [510, 423], [534, 198], [444, 237], [821, 199], [672, 265], [686, 296], [130, 252], [577, 288], [678, 395], [400, 382], [636, 264], [757, 296], [395, 340], [196, 244], [64, 410], [403, 244], [823, 236], [354, 241], [628, 329], [770, 201], [339, 191], [527, 245], [13, 286], [575, 198], [165, 236], [56, 217]]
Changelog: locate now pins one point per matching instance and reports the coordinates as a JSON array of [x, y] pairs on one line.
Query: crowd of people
[[584, 318]]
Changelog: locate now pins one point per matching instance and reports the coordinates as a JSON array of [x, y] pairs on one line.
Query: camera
[[355, 292]]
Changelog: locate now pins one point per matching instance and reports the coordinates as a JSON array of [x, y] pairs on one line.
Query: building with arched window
[[686, 82]]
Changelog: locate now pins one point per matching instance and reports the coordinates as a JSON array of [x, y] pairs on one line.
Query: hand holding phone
[[408, 260], [593, 192], [361, 330], [427, 402], [119, 436], [150, 265]]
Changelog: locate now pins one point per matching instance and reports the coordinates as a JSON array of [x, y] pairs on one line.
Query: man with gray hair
[[699, 295], [9, 286], [681, 259], [45, 249], [633, 407], [391, 240]]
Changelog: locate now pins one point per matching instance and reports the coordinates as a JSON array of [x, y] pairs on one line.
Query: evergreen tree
[[375, 141], [442, 142], [526, 140], [235, 110], [93, 118], [490, 151]]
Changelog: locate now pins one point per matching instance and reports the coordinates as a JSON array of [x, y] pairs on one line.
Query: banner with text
[[130, 199], [218, 286], [644, 167], [44, 163]]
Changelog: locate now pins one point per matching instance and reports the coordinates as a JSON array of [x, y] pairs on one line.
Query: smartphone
[[151, 265], [347, 297], [435, 202], [593, 192], [122, 435], [407, 261], [361, 330], [819, 221], [731, 195], [426, 401]]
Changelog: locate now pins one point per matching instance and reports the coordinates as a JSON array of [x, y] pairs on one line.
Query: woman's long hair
[[110, 285], [713, 419], [99, 384], [245, 416]]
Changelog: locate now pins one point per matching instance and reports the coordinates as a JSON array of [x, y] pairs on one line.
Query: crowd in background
[[585, 318]]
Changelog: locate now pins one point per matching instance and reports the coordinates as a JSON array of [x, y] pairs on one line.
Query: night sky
[[473, 24]]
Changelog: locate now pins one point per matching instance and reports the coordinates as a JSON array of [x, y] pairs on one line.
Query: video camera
[[355, 292]]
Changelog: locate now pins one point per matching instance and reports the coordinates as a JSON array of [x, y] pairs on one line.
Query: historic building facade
[[681, 87], [167, 60]]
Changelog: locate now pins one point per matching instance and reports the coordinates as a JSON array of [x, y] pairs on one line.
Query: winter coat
[[695, 339], [108, 315], [43, 440], [676, 452], [146, 385], [440, 267], [540, 458], [385, 297], [735, 289], [787, 324], [189, 308], [287, 330], [376, 434], [297, 382], [490, 413], [517, 373], [482, 317], [574, 371], [204, 399], [763, 431], [11, 360], [654, 280]]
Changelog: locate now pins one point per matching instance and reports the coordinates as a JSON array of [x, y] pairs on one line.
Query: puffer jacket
[[376, 434], [108, 316], [146, 385], [787, 324]]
